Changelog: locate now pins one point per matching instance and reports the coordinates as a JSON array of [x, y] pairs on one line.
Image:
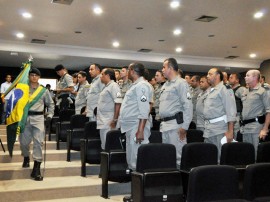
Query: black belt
[[168, 118], [31, 113], [260, 119]]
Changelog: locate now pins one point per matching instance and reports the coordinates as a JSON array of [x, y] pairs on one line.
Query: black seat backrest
[[91, 131], [194, 135], [65, 115], [237, 154], [113, 141], [78, 121], [257, 182], [198, 154], [263, 152], [213, 183], [156, 157]]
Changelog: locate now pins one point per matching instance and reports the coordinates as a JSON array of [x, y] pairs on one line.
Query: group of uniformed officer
[[220, 109]]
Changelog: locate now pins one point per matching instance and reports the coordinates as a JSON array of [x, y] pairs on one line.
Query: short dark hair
[[126, 67], [218, 71], [197, 77], [110, 72], [59, 67], [75, 75], [97, 66], [117, 70], [138, 68], [172, 63], [82, 73]]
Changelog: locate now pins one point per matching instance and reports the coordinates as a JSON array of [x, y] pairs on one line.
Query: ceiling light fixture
[[115, 44], [178, 49], [177, 32], [258, 15], [20, 35], [174, 4], [98, 10], [27, 15], [252, 55]]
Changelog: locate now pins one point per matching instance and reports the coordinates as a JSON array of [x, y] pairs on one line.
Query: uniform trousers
[[103, 134], [252, 138], [132, 147], [236, 127], [172, 137], [37, 134], [216, 140]]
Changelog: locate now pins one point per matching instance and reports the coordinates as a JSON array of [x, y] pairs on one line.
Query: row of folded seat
[[83, 136]]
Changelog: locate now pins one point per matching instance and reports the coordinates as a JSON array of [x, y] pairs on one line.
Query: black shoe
[[26, 162], [127, 199], [36, 172]]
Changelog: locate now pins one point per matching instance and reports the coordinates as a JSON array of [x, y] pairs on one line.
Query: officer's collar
[[217, 86], [138, 80], [97, 77], [174, 79], [111, 81], [256, 87]]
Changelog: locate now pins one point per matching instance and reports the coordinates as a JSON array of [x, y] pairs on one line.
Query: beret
[[35, 71]]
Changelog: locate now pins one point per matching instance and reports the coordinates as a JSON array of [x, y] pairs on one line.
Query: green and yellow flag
[[16, 105]]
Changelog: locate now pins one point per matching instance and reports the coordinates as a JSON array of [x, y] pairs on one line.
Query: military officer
[[125, 85], [94, 91], [175, 107], [64, 86], [81, 94], [234, 81], [34, 128], [195, 91], [134, 113], [109, 104], [205, 87], [256, 109], [160, 79], [219, 110]]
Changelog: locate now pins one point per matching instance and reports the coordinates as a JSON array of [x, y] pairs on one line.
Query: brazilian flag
[[16, 105]]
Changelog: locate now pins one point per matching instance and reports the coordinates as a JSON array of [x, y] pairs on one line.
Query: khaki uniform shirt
[[136, 105], [219, 102], [194, 94], [65, 82], [93, 95], [124, 87], [157, 92], [106, 105], [45, 100], [199, 108], [256, 102], [80, 100], [175, 97]]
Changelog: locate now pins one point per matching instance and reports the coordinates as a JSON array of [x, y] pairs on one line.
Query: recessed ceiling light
[[174, 4], [177, 32], [252, 55], [161, 40], [178, 49], [258, 15], [211, 35], [115, 44], [77, 32], [20, 35], [139, 27], [27, 15], [234, 46], [98, 10]]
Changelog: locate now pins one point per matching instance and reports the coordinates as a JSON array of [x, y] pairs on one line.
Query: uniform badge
[[143, 97], [118, 95], [188, 96]]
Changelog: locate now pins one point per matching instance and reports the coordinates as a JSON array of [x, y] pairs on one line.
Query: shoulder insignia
[[188, 96], [143, 98], [118, 95]]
